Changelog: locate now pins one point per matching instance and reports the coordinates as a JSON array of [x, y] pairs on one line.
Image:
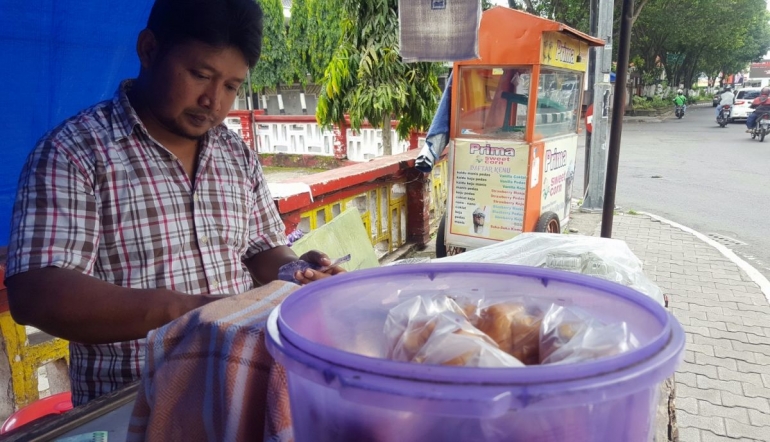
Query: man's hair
[[219, 23]]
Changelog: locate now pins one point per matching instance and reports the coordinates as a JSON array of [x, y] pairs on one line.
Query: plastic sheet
[[604, 258], [66, 55]]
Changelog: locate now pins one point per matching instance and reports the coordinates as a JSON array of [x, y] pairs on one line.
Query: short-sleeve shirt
[[100, 196]]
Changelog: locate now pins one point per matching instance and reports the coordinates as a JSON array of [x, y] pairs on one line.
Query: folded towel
[[438, 133], [208, 375], [439, 30]]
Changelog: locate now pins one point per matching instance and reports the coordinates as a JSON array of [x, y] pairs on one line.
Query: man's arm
[[264, 265], [81, 308]]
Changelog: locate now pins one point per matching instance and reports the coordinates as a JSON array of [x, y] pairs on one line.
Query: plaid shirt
[[100, 196]]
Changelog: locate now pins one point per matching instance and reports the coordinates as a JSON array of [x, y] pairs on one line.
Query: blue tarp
[[56, 58]]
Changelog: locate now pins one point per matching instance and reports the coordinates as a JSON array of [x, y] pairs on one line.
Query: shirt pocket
[[234, 216]]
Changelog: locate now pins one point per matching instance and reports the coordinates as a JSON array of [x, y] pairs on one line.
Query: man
[[727, 98], [129, 208], [681, 100], [760, 105]]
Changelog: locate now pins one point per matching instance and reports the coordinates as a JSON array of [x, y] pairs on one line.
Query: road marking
[[753, 273]]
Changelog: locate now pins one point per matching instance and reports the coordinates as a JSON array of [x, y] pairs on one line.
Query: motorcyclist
[[760, 105], [681, 100], [727, 98]]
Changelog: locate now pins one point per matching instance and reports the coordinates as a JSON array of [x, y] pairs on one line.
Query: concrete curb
[[756, 276]]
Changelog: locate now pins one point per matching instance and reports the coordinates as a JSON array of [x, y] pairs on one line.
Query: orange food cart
[[514, 130]]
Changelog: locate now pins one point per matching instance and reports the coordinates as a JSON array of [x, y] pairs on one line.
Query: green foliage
[[273, 66], [641, 103], [298, 43], [685, 38], [368, 79], [325, 33], [574, 13], [647, 103]]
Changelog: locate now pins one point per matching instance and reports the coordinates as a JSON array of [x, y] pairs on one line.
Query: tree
[[298, 43], [325, 30], [369, 80], [669, 35], [273, 66]]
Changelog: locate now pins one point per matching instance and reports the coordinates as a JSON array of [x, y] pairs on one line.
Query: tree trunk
[[387, 144]]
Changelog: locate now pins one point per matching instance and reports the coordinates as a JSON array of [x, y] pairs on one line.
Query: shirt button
[[215, 284], [204, 239], [196, 198]]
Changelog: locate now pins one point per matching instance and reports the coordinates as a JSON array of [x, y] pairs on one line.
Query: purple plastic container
[[329, 337]]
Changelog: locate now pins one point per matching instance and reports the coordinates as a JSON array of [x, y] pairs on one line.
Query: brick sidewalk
[[723, 386]]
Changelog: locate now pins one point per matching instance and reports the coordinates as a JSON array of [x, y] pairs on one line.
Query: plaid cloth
[[98, 195], [209, 375], [439, 30]]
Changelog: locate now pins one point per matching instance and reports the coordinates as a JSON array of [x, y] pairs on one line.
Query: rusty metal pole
[[619, 107]]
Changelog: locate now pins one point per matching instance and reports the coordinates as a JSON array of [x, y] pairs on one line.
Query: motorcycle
[[679, 112], [724, 116], [762, 127]]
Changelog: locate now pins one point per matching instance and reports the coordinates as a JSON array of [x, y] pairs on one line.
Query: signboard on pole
[[562, 51], [760, 70]]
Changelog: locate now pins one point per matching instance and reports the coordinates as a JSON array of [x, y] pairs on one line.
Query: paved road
[[715, 180]]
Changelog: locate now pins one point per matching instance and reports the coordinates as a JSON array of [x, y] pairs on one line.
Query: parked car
[[743, 99]]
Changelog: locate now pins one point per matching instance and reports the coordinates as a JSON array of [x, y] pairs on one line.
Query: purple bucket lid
[[296, 307]]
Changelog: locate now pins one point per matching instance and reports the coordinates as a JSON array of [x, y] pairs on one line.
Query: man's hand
[[319, 259]]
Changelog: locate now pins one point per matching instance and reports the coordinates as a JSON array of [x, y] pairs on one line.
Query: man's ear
[[147, 48]]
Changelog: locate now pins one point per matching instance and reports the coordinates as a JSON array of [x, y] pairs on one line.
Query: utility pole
[[593, 200], [624, 50], [594, 22]]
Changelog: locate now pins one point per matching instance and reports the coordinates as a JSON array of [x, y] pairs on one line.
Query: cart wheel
[[548, 223], [442, 251], [452, 251]]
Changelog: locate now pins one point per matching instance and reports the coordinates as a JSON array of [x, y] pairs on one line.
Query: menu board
[[559, 176], [489, 184]]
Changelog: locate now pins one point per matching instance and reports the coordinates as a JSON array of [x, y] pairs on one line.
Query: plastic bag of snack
[[408, 325], [455, 341], [570, 335], [436, 330], [515, 327]]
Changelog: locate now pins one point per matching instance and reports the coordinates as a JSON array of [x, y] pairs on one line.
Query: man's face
[[193, 86]]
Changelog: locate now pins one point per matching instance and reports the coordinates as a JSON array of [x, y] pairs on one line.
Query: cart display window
[[493, 102], [558, 100]]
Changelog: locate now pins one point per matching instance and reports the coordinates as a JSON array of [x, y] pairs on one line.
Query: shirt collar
[[124, 118]]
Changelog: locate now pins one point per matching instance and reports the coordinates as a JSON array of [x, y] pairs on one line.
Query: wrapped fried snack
[[515, 328], [560, 324], [456, 342], [435, 330], [569, 335], [408, 325]]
